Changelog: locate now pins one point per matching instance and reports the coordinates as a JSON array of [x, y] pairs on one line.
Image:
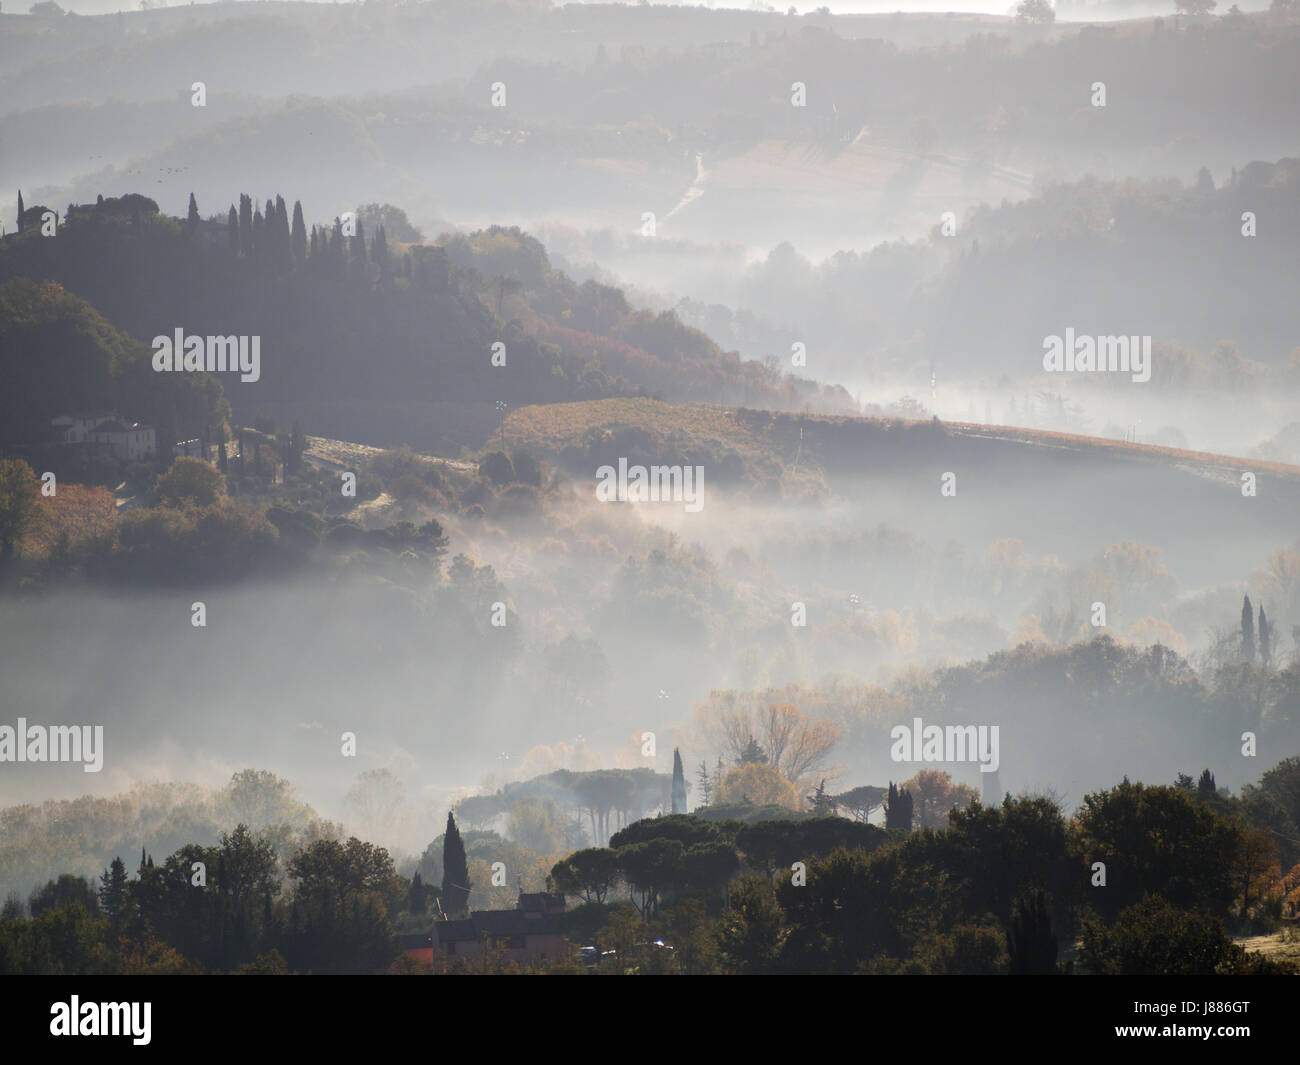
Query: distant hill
[[356, 320]]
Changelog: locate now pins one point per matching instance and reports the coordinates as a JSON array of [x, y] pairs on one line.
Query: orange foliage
[[81, 511]]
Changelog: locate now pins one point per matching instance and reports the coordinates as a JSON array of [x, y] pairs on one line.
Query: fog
[[843, 242]]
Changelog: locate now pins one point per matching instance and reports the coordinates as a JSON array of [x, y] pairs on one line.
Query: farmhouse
[[530, 932]]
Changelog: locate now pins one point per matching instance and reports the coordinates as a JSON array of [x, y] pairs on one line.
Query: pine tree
[[299, 236], [1247, 630], [192, 218], [143, 861], [20, 210], [823, 804], [455, 872], [1031, 943], [752, 753], [112, 890], [705, 784], [1265, 639]]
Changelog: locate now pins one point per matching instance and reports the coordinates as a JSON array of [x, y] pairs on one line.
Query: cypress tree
[[1031, 943], [679, 784], [20, 210], [1247, 630], [245, 224], [338, 262], [259, 236], [299, 236], [381, 251], [359, 243], [283, 241], [1265, 639], [417, 900], [455, 871], [232, 228], [192, 218], [898, 808]]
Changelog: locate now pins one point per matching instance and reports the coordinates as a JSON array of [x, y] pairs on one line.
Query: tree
[[1247, 630], [112, 891], [1166, 842], [589, 873], [679, 784], [1038, 12], [1155, 938], [823, 805], [299, 236], [20, 210], [417, 899], [339, 914], [1030, 940], [20, 505], [359, 243], [245, 225], [192, 481], [705, 784], [898, 808], [1205, 787], [935, 793], [1265, 639], [751, 929], [505, 286], [497, 468], [69, 888], [778, 734], [652, 868], [455, 872], [1194, 7], [381, 252], [1255, 868], [232, 235], [192, 217], [537, 823], [756, 783], [861, 801]]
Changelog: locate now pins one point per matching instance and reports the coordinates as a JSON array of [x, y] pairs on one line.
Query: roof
[[493, 923], [110, 426], [540, 901]]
